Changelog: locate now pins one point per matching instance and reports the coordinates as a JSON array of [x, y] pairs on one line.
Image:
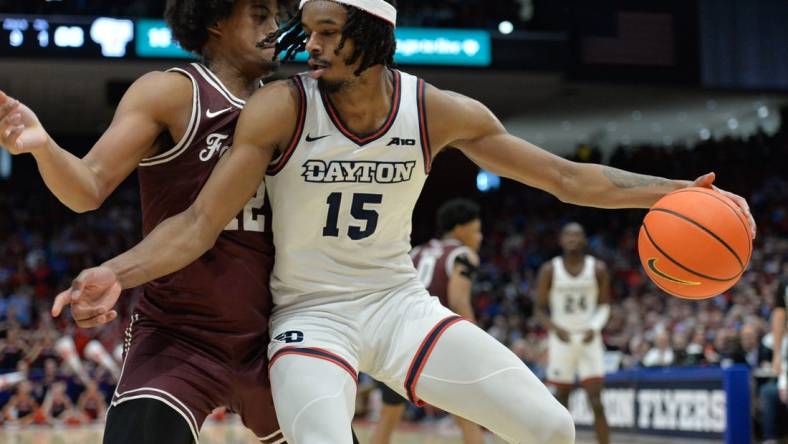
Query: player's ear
[[217, 29]]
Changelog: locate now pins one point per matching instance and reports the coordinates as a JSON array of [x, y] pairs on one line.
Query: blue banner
[[415, 46], [154, 39], [705, 403]]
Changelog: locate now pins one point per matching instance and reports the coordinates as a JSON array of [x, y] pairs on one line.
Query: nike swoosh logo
[[652, 265], [211, 115], [309, 138]]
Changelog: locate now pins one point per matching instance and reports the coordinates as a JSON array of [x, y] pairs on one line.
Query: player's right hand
[[562, 334], [91, 297], [20, 129]]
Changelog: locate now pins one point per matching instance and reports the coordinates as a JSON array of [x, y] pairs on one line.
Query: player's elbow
[[576, 185], [203, 231], [85, 204], [567, 186]]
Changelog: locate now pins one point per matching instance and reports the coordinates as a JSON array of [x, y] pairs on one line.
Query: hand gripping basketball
[[707, 181], [695, 243], [91, 297]]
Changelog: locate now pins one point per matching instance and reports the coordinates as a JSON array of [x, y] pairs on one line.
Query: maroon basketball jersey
[[222, 298], [434, 262]]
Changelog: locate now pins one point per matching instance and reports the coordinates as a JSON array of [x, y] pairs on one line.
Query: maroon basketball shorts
[[185, 376]]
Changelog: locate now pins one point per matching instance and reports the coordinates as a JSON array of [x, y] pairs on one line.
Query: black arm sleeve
[[467, 269]]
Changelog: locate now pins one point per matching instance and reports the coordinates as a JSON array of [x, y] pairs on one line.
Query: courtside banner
[[704, 403]]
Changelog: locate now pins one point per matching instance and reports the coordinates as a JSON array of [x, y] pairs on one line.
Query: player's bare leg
[[594, 391], [390, 416], [471, 433], [562, 394]]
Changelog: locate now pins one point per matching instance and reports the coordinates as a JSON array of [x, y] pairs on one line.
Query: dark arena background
[[674, 88]]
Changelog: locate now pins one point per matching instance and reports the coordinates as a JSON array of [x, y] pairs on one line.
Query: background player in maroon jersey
[[187, 352], [446, 266]]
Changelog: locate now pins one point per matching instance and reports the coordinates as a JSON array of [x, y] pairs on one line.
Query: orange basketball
[[695, 243]]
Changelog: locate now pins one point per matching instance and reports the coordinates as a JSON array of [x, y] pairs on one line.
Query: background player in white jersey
[[352, 142], [446, 266], [575, 287]]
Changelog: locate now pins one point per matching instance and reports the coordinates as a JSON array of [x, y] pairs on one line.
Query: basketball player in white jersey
[[575, 287], [347, 148]]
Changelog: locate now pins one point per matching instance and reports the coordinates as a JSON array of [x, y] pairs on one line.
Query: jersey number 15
[[358, 210]]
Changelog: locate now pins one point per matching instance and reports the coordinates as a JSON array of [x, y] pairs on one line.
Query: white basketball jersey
[[342, 203], [573, 299]]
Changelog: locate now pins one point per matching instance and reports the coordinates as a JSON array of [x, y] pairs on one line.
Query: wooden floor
[[234, 433]]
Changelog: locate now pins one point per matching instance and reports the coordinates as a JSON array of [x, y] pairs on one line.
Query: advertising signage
[[120, 38]]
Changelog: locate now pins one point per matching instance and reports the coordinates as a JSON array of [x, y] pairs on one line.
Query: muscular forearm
[[174, 244], [606, 187], [68, 178]]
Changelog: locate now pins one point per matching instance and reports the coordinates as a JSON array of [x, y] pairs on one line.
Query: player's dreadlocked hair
[[190, 20], [373, 38], [456, 212]]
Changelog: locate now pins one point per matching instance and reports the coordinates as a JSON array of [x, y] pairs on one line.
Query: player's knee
[[561, 428]]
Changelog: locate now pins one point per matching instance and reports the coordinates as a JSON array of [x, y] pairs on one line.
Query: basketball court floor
[[234, 433]]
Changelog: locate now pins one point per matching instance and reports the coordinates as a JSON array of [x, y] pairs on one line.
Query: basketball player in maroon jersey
[[446, 266], [198, 337]]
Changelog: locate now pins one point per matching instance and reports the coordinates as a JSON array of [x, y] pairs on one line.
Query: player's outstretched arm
[[154, 103], [456, 120], [266, 123]]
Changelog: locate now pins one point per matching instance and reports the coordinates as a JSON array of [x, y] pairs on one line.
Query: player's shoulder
[[453, 247], [159, 90], [546, 268], [470, 255], [278, 90], [599, 265], [441, 99], [273, 111], [167, 82]]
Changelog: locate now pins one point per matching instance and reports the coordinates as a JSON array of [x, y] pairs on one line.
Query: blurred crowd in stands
[[51, 371]]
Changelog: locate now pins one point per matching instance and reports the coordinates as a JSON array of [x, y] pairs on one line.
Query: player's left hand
[[707, 181], [91, 297], [589, 336], [20, 129]]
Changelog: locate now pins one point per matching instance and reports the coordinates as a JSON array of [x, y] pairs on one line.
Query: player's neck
[[365, 102], [233, 78], [574, 257], [449, 237]]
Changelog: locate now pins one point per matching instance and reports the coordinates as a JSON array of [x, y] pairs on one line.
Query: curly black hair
[[372, 36], [456, 212], [189, 20]]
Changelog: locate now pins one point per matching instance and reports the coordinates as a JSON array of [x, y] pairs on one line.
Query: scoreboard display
[[66, 36]]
